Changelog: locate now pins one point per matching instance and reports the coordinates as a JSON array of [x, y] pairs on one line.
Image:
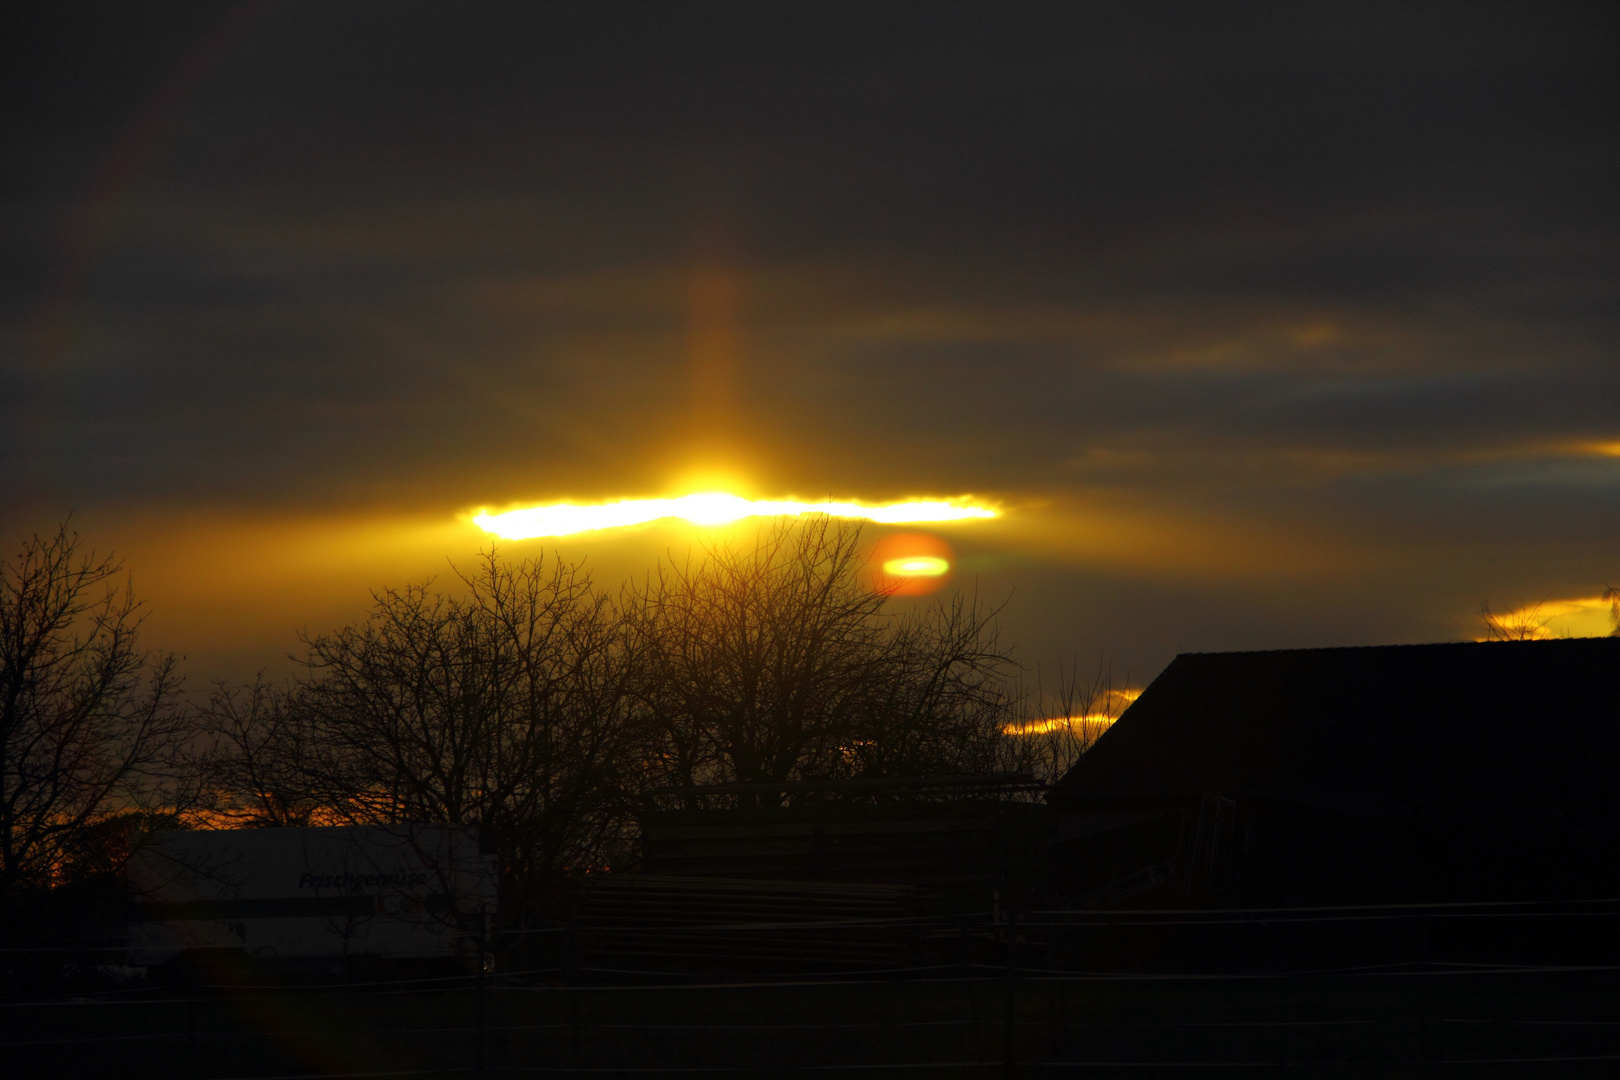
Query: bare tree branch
[[90, 724], [501, 707], [777, 662]]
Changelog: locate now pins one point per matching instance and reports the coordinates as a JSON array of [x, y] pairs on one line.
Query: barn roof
[[1405, 721]]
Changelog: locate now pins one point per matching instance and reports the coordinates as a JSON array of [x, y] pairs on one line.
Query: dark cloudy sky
[[1270, 325]]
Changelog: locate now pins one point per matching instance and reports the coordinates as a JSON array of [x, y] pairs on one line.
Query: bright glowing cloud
[[1088, 726], [715, 508], [1586, 616], [917, 566]]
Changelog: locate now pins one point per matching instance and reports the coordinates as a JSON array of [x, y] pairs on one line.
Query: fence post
[[1010, 1035], [976, 1039], [483, 951], [573, 1014]]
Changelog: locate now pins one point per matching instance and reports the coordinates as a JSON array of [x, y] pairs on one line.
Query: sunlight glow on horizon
[[1089, 725], [1059, 723], [1575, 617], [716, 508]]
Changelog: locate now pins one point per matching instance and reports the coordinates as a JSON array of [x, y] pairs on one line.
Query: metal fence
[[1465, 989]]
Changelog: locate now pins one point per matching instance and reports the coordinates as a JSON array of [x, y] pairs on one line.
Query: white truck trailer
[[396, 892]]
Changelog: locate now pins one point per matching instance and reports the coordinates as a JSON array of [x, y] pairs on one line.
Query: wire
[[1344, 907], [390, 985], [663, 1069], [63, 948], [992, 973], [349, 1075], [1309, 919], [705, 1028], [660, 1070], [987, 920]]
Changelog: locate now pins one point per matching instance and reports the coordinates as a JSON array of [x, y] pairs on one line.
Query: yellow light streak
[[1088, 726], [713, 508], [916, 566]]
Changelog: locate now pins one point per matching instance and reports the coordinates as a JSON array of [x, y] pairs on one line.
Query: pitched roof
[[1409, 721]]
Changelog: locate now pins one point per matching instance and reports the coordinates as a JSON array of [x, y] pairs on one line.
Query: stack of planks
[[973, 855], [633, 921]]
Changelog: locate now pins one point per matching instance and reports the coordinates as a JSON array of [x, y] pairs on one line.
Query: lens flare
[[910, 564], [712, 508]]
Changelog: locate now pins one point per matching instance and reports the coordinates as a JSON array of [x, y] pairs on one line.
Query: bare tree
[[503, 707], [90, 723], [262, 757], [759, 664], [948, 693], [776, 661], [1525, 624], [1056, 729]]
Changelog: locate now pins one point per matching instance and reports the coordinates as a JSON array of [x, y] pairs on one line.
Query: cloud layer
[[1268, 326]]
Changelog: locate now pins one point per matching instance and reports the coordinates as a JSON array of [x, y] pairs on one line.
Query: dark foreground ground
[[1394, 1023]]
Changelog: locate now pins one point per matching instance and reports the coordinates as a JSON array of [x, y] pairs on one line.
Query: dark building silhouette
[[826, 874], [967, 848], [1392, 774]]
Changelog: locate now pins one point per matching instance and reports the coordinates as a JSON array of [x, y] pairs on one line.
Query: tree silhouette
[[1525, 624], [90, 723], [776, 661], [502, 707], [262, 758]]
